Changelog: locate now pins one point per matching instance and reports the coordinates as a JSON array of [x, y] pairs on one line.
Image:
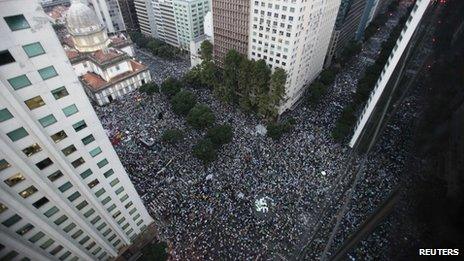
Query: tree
[[205, 151], [276, 130], [183, 102], [316, 91], [154, 252], [149, 88], [270, 101], [200, 116], [220, 135], [193, 77], [172, 136], [232, 62], [206, 50], [171, 86], [351, 49], [327, 77], [209, 72]]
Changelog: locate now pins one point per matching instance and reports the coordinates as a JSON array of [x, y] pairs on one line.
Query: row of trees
[[155, 46], [199, 116], [248, 83], [318, 88], [347, 120]]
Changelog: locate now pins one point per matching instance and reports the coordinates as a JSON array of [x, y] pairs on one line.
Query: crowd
[[206, 211]]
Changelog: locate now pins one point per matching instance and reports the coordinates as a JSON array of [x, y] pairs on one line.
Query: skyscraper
[[64, 192], [144, 11], [129, 14], [348, 20], [230, 23], [163, 12], [293, 35], [109, 13], [189, 16]]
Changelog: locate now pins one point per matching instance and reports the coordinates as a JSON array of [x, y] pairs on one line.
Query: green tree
[[209, 74], [232, 62], [206, 50], [327, 77], [316, 91], [205, 151], [183, 102], [171, 86], [154, 252], [149, 88], [200, 116], [193, 77], [172, 136], [269, 105], [220, 135]]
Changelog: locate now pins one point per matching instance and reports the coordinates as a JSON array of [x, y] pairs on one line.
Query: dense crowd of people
[[205, 212]]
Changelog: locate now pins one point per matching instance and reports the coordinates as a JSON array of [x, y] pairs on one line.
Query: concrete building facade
[[293, 35], [231, 27], [129, 14], [64, 193], [163, 12], [145, 17], [189, 17], [109, 13]]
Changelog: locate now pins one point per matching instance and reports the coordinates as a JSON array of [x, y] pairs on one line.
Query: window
[[88, 139], [95, 220], [69, 227], [10, 256], [16, 22], [90, 245], [5, 114], [74, 196], [136, 217], [102, 163], [100, 192], [114, 182], [19, 82], [59, 136], [108, 173], [106, 200], [107, 232], [36, 237], [98, 249], [55, 175], [101, 226], [33, 49], [15, 179], [119, 190], [17, 134], [31, 150], [60, 93], [124, 198], [68, 150], [78, 162], [115, 215], [34, 103], [39, 203], [52, 211], [44, 163], [65, 255], [56, 250], [47, 244], [79, 125], [128, 205], [77, 234], [2, 208], [139, 222], [22, 231], [132, 211], [27, 192], [61, 219], [82, 205], [65, 186], [4, 164], [47, 120], [12, 220], [89, 213], [70, 110], [111, 208], [121, 220], [47, 72], [86, 173], [93, 183], [6, 57], [95, 152]]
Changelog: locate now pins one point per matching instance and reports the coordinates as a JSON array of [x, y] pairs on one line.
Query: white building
[[189, 16], [107, 73], [195, 44], [163, 12], [64, 192], [109, 13], [293, 35], [145, 17]]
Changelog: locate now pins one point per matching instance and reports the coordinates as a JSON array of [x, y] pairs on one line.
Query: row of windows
[[22, 81]]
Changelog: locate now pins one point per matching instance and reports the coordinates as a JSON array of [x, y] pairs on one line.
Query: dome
[[87, 33], [82, 20]]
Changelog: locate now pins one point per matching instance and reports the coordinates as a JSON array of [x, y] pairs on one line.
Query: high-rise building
[[145, 17], [293, 35], [109, 13], [64, 192], [373, 8], [189, 16], [163, 12], [347, 23], [230, 23], [129, 14]]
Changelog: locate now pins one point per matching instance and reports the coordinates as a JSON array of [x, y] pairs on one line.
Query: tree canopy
[[205, 151], [183, 102], [220, 135], [200, 117], [171, 86], [172, 136]]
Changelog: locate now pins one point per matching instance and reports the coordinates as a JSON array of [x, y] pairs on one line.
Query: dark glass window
[[17, 22], [6, 57], [39, 203], [44, 163]]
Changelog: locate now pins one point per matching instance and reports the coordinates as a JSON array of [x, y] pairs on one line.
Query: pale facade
[[292, 35], [189, 16], [64, 193], [165, 23], [109, 13]]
